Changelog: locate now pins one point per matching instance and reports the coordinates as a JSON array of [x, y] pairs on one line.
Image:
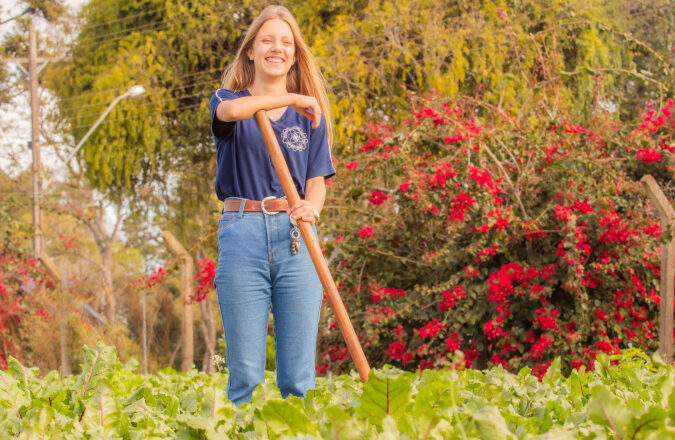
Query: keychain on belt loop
[[295, 236]]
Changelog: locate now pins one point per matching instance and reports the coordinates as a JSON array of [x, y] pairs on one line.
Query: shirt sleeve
[[320, 162], [221, 129]]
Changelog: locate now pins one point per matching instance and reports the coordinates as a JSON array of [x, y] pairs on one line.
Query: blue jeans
[[256, 269]]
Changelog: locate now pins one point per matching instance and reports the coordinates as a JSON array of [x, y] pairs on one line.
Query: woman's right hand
[[303, 105]]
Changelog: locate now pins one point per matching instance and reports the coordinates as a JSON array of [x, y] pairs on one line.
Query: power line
[[204, 91], [119, 89], [139, 116], [96, 39], [128, 17], [156, 92], [110, 37], [99, 38]]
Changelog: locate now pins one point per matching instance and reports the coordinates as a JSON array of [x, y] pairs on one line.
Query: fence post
[[186, 278], [667, 215], [62, 310], [144, 334]]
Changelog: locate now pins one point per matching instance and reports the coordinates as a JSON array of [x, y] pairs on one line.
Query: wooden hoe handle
[[355, 349]]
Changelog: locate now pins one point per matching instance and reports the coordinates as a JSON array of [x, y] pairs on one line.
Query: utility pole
[[35, 141], [33, 73]]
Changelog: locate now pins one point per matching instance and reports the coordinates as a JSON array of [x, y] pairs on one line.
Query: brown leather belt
[[273, 205]]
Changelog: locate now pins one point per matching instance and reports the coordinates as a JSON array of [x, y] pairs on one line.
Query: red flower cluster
[[377, 197], [405, 186], [615, 229], [204, 279], [470, 355], [450, 298], [492, 330], [68, 242], [460, 204], [653, 121], [155, 278], [452, 342], [379, 293], [540, 370], [648, 155], [431, 329], [546, 320], [429, 113], [539, 347], [397, 350], [371, 144], [484, 179], [366, 232]]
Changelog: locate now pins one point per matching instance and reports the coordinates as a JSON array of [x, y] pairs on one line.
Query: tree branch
[[27, 10], [508, 179]]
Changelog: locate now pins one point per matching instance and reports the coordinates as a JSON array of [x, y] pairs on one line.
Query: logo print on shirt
[[294, 138]]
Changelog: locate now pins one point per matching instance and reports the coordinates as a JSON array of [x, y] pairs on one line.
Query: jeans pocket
[[227, 220]]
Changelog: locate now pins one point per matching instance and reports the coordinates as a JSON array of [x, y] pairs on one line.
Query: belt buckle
[[262, 206]]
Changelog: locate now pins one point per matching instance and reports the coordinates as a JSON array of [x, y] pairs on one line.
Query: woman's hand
[[303, 105], [304, 211]]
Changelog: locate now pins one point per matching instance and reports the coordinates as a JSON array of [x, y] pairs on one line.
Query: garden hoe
[[355, 349]]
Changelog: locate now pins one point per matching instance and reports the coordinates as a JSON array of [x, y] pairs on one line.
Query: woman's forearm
[[315, 192], [245, 107]]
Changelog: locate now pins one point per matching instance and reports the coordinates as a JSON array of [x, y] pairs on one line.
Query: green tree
[[523, 59], [513, 55]]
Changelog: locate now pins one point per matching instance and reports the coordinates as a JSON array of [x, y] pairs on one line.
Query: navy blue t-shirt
[[244, 165]]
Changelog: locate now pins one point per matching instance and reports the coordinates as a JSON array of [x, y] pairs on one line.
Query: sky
[[15, 117], [14, 6]]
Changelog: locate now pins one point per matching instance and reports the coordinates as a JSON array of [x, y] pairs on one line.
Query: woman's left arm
[[315, 195]]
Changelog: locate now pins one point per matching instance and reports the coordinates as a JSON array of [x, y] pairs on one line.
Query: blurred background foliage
[[152, 160]]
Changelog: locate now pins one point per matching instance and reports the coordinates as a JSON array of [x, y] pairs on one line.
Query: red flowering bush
[[22, 283], [205, 277], [463, 230]]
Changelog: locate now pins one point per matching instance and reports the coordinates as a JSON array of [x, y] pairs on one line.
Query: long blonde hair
[[303, 78]]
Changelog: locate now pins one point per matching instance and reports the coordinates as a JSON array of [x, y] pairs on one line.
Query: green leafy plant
[[626, 396]]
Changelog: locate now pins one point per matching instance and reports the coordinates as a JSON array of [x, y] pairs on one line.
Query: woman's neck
[[267, 88]]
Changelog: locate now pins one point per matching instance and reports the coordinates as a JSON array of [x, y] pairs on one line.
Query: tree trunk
[[66, 369], [187, 278], [209, 333], [110, 300]]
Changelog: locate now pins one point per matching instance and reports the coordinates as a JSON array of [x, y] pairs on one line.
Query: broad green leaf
[[25, 377], [98, 367], [198, 423], [338, 423], [443, 430], [491, 425], [104, 416], [649, 423], [608, 410], [433, 393], [387, 392], [282, 417]]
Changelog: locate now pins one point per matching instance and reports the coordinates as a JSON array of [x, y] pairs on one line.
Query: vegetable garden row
[[628, 396]]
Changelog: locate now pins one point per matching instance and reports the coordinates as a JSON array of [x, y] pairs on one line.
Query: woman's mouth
[[274, 60]]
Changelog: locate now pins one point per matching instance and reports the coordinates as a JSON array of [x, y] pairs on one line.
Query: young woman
[[262, 260]]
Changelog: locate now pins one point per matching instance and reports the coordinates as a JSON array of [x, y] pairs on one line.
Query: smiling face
[[273, 49]]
